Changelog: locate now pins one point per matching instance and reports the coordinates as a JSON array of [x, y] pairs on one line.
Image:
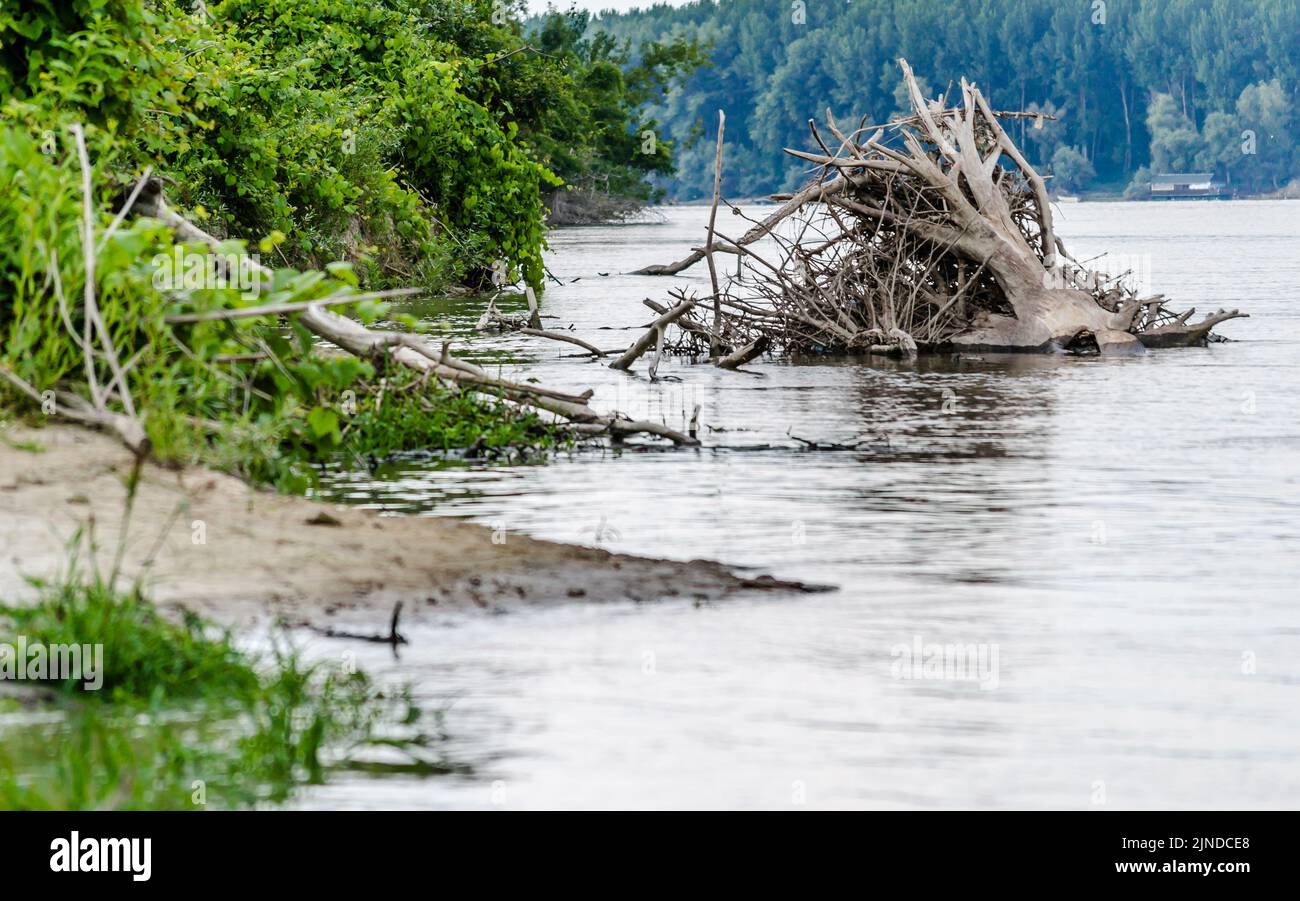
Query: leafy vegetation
[[249, 395], [601, 137], [1168, 84], [391, 143], [416, 137], [183, 718]]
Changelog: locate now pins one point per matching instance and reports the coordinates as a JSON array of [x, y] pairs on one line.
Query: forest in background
[[1136, 85]]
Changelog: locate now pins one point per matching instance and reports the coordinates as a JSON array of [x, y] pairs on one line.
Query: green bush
[[247, 395], [1071, 170], [345, 126], [184, 718], [395, 142]]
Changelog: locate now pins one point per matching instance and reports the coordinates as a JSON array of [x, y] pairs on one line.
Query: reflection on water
[[1123, 531]]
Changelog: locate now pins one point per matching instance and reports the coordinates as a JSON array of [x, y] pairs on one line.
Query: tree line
[[1135, 86]]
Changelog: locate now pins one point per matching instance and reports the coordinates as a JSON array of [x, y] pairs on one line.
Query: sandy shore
[[243, 556]]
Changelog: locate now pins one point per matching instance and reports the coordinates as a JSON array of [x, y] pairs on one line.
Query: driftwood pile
[[931, 232]]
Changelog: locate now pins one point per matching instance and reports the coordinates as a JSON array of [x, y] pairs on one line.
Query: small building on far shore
[[1188, 186]]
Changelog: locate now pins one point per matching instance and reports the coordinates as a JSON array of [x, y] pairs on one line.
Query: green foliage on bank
[[249, 395], [1169, 84], [601, 136], [179, 717], [348, 146], [415, 138]]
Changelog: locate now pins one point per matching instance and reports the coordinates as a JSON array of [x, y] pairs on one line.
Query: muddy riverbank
[[213, 544]]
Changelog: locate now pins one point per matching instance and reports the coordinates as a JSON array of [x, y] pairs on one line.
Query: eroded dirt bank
[[243, 556]]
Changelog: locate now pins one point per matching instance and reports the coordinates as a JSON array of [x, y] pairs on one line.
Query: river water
[[1115, 541]]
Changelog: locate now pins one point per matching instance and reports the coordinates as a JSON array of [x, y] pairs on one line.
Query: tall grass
[[185, 718]]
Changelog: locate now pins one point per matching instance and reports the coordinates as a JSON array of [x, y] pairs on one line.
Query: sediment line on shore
[[242, 556]]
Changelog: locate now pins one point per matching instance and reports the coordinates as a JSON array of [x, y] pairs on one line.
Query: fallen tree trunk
[[70, 406], [750, 351], [407, 350], [492, 316], [646, 341], [413, 353]]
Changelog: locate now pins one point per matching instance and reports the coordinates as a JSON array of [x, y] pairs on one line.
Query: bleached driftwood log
[[742, 356], [410, 351], [646, 341]]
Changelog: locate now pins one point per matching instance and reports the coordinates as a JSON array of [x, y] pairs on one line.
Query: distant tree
[[1139, 188], [1071, 170], [595, 129], [1176, 145], [1223, 146], [1048, 132], [1266, 146]]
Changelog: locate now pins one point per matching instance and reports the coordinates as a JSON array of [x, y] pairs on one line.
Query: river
[[1116, 539]]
